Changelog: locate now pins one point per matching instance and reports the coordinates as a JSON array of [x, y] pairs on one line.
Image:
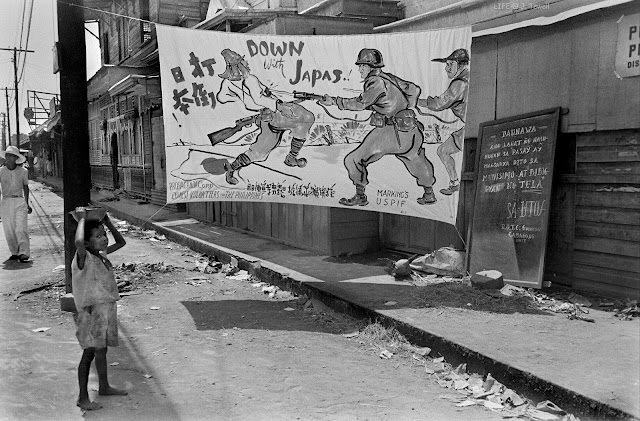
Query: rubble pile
[[473, 389], [204, 264], [420, 279], [629, 312], [573, 305], [132, 275], [463, 389]]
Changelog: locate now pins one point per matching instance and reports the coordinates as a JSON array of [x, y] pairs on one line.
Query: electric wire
[[26, 47], [24, 7], [16, 56]]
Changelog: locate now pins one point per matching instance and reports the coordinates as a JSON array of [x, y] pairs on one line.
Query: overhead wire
[[26, 47], [19, 34], [16, 56]]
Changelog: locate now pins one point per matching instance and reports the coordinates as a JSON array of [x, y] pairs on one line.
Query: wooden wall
[[101, 176], [333, 231], [141, 181], [419, 235], [183, 12], [312, 25], [606, 255], [376, 12]]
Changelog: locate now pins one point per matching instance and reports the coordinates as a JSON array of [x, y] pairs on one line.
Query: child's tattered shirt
[[94, 283]]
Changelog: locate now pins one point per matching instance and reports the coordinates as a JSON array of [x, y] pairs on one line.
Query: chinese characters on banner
[[373, 122]]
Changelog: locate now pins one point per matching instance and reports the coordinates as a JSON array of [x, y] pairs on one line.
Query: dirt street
[[197, 345]]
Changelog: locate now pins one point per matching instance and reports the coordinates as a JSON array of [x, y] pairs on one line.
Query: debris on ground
[[46, 286], [511, 290], [196, 282], [402, 268], [473, 390], [241, 275], [418, 279], [579, 300], [446, 261], [40, 329], [385, 354], [467, 389], [207, 264], [132, 275], [628, 313]]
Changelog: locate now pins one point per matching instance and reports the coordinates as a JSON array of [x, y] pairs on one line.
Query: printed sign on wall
[[628, 48], [373, 122]]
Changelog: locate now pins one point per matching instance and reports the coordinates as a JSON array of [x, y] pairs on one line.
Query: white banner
[[373, 122]]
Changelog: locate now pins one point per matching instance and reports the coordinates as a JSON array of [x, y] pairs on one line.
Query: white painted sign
[[373, 122], [628, 48]]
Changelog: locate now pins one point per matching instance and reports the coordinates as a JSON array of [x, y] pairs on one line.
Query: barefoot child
[[95, 294]]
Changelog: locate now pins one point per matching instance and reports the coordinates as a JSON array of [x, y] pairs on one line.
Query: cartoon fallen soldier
[[396, 130], [275, 117]]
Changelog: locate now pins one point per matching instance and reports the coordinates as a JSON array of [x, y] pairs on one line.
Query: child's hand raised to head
[[81, 212], [117, 236]]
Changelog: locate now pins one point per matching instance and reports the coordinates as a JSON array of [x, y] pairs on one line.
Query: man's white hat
[[13, 151]]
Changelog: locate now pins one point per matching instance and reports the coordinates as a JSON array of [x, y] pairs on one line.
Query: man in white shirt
[[14, 206]]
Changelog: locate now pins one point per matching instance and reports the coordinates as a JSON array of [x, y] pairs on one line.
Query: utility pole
[[76, 172], [4, 134], [15, 86], [6, 96]]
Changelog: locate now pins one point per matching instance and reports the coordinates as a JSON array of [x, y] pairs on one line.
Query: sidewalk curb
[[285, 278]]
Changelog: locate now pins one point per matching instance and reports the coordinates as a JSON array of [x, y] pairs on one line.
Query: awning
[[47, 126], [128, 83]]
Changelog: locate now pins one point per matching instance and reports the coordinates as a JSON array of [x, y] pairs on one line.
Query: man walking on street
[[14, 207]]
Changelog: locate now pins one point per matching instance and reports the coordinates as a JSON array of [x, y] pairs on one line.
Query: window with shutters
[[145, 27]]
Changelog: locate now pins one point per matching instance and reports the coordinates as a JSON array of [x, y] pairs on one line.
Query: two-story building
[[124, 97]]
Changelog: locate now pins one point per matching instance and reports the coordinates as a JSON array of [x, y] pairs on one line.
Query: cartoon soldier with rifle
[[396, 131], [454, 99], [275, 117]]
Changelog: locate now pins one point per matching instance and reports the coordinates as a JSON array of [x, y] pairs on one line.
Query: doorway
[[115, 161]]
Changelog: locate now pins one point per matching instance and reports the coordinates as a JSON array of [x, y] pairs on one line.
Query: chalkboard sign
[[513, 192]]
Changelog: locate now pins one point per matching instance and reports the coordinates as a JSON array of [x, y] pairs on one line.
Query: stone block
[[487, 279]]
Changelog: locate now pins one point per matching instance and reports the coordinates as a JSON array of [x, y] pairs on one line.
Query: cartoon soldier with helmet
[[454, 99], [396, 131]]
